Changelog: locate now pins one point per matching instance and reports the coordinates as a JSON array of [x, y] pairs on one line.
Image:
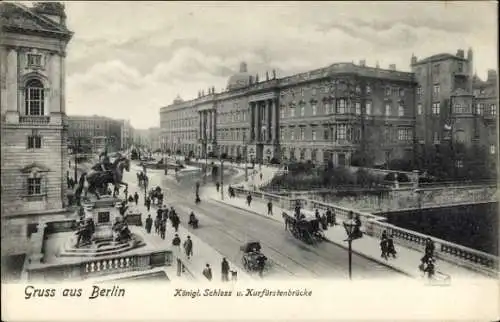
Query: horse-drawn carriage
[[156, 196], [305, 229], [253, 259]]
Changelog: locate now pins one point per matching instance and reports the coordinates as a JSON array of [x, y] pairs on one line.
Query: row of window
[[460, 109], [342, 107], [388, 91]]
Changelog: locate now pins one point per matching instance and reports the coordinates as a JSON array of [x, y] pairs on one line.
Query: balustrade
[[376, 225], [32, 119], [106, 266]]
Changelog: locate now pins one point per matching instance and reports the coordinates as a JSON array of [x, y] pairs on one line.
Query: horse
[[114, 176]]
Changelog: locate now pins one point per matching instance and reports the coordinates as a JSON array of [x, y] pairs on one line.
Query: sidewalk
[[406, 262], [202, 252]]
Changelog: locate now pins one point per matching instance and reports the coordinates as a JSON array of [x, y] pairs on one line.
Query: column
[[11, 83], [270, 120], [214, 125], [274, 120], [257, 121], [252, 121], [199, 125]]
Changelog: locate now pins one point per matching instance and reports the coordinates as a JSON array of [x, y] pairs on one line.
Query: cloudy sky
[[127, 59]]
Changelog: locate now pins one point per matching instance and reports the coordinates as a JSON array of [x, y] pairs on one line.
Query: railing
[[31, 119], [376, 225], [116, 265]]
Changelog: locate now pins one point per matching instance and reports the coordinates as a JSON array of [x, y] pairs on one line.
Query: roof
[[18, 17], [438, 57]]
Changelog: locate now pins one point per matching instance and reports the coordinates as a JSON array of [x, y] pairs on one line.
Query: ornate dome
[[239, 80]]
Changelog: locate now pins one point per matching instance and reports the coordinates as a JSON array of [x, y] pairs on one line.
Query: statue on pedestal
[[121, 231]]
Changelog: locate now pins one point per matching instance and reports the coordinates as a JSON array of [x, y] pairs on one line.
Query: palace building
[[33, 111], [325, 114], [338, 113]]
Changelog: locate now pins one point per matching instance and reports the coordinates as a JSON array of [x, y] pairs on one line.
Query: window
[[492, 149], [314, 108], [325, 89], [459, 164], [292, 135], [479, 109], [419, 109], [436, 90], [435, 108], [314, 155], [314, 135], [436, 138], [313, 91], [358, 89], [302, 134], [327, 108], [368, 89], [420, 91], [282, 134], [368, 108], [34, 98], [401, 110], [282, 112], [292, 112], [358, 108], [341, 107], [387, 109], [435, 69], [401, 92], [302, 92], [387, 91], [341, 132], [459, 108], [34, 60], [302, 154], [302, 110], [404, 134], [34, 142], [34, 186], [326, 134], [493, 109]]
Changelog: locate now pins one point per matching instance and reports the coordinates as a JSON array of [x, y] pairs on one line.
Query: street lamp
[[351, 228]]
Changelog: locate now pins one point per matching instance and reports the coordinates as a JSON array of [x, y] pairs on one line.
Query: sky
[[128, 59]]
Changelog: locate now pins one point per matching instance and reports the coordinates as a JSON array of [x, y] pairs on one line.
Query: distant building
[[93, 130], [33, 115], [154, 138], [126, 135]]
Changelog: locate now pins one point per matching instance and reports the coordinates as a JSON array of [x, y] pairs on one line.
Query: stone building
[[98, 131], [454, 108], [324, 114], [33, 124]]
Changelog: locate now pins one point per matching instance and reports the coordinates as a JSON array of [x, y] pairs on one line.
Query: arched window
[[34, 97]]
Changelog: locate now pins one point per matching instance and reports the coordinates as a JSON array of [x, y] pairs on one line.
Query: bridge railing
[[375, 225]]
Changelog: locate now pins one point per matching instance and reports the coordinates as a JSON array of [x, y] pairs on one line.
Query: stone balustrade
[[116, 265], [34, 120], [375, 225]]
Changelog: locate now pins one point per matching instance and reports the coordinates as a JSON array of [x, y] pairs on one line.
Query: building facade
[[33, 111], [343, 113], [95, 131], [325, 114], [455, 110]]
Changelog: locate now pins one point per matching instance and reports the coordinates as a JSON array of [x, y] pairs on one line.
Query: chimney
[[492, 75], [413, 59], [362, 63], [460, 53], [392, 66]]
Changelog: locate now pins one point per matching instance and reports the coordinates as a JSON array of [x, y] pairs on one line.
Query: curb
[[327, 240]]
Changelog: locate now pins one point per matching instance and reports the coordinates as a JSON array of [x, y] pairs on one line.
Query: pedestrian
[[159, 213], [148, 203], [383, 245], [163, 229], [149, 224], [261, 176], [249, 199], [430, 269], [207, 272], [324, 222], [225, 270], [176, 242], [217, 186], [391, 250], [317, 215], [270, 208], [188, 247], [130, 199], [157, 225], [175, 222], [136, 198]]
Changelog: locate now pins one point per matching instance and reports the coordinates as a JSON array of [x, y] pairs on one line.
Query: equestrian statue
[[103, 173]]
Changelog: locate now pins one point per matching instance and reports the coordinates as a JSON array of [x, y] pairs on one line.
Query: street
[[226, 228]]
